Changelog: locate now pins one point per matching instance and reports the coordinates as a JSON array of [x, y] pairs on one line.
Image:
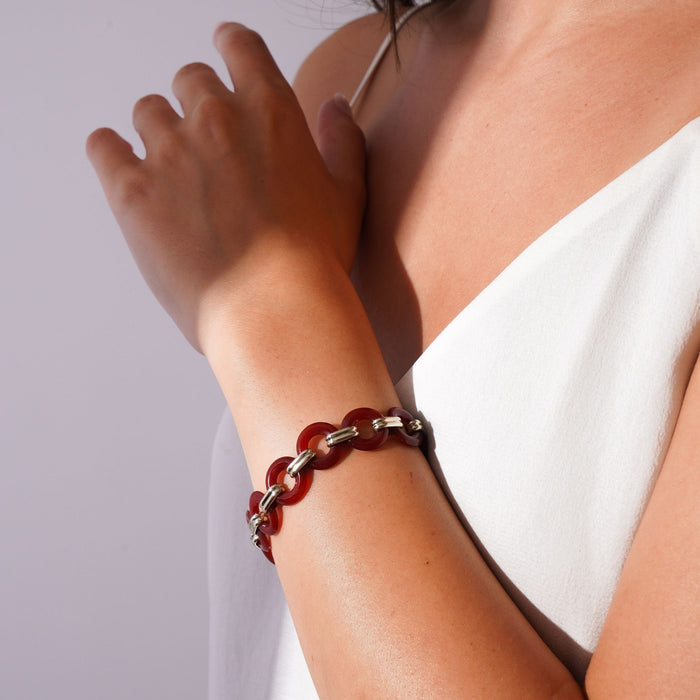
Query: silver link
[[386, 422], [299, 462], [268, 500], [414, 426], [342, 435], [254, 523]]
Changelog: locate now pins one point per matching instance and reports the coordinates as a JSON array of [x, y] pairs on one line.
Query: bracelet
[[362, 429]]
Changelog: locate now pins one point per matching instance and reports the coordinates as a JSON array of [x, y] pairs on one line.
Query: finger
[[153, 115], [195, 81], [247, 58], [342, 145], [109, 154]]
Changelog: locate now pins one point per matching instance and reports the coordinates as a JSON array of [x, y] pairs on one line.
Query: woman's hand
[[236, 189]]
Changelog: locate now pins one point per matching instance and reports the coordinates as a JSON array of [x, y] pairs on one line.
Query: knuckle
[[130, 187], [212, 108], [213, 120], [171, 147]]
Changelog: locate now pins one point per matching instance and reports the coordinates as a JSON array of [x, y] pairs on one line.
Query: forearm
[[389, 595], [298, 350]]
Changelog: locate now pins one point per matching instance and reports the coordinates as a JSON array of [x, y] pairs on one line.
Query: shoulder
[[338, 63]]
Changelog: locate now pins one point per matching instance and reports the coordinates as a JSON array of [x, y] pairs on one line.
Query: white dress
[[550, 402]]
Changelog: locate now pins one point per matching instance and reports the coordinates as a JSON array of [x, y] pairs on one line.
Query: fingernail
[[342, 103]]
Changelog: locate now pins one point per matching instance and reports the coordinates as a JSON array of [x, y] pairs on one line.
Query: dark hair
[[392, 9], [389, 8]]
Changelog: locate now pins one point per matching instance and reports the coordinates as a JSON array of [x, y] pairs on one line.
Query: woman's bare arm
[[650, 644], [389, 595]]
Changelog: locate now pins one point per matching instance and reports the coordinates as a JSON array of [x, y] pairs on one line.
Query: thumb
[[342, 145]]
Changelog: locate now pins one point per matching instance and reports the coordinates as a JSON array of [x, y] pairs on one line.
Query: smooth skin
[[238, 212]]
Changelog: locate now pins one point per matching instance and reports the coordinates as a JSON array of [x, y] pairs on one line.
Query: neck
[[509, 23]]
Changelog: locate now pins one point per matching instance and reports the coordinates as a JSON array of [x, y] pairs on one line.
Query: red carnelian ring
[[360, 415], [301, 486], [410, 439], [334, 453], [254, 504]]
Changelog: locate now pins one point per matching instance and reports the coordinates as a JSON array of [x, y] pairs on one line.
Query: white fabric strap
[[380, 54]]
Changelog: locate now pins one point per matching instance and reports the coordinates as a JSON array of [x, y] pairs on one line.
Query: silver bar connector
[[268, 500], [254, 523], [299, 462], [342, 435], [386, 422]]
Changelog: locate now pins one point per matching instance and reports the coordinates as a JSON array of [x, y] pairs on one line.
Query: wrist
[[281, 301], [298, 350]]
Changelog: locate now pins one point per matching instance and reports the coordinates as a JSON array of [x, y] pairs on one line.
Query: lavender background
[[106, 414]]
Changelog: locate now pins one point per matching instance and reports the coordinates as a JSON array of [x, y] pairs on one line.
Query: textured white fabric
[[550, 402], [553, 396]]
